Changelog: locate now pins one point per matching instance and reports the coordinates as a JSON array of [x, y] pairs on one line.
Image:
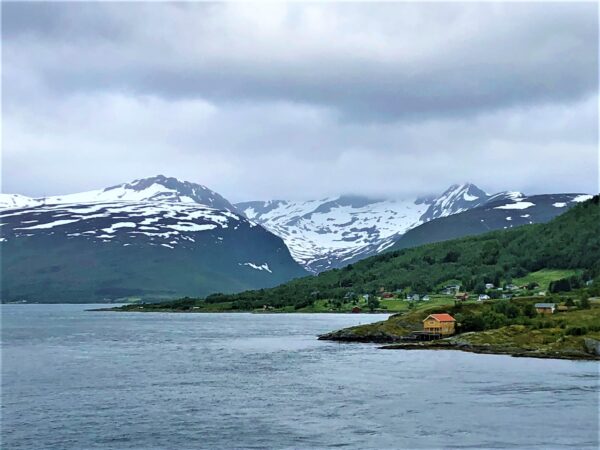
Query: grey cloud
[[485, 57], [301, 101]]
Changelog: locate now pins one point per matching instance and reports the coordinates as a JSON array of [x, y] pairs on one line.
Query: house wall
[[438, 327]]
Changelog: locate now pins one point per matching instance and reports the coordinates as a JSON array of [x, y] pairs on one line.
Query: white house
[[483, 297]]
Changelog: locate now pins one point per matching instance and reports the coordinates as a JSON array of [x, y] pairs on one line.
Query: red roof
[[442, 317]]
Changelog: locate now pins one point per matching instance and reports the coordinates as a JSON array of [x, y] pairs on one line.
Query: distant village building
[[387, 295], [366, 297], [451, 289], [541, 293], [415, 297], [511, 287], [425, 298], [545, 308], [489, 285], [462, 296], [483, 297], [440, 324], [356, 310]]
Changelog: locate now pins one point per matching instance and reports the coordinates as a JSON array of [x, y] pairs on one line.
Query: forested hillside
[[571, 241]]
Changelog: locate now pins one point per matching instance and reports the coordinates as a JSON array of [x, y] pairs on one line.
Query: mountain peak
[[469, 191], [158, 188], [169, 189], [455, 199]]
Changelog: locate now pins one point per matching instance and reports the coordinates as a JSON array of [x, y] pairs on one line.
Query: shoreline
[[169, 310], [491, 350]]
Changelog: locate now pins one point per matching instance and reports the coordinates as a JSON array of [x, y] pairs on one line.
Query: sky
[[301, 101]]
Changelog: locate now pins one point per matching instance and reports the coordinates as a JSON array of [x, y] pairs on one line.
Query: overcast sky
[[301, 101]]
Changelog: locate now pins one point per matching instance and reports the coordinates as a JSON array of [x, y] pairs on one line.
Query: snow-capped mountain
[[322, 234], [163, 238], [457, 198], [503, 211], [153, 189], [152, 238], [333, 232]]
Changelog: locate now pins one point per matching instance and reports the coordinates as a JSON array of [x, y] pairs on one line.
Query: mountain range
[[334, 232], [158, 238], [569, 243]]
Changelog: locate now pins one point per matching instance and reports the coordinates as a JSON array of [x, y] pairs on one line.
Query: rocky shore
[[590, 353], [513, 340]]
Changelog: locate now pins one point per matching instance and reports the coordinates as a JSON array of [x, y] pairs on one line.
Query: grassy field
[[544, 277]]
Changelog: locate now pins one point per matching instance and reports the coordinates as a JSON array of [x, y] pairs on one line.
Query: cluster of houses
[[508, 292]]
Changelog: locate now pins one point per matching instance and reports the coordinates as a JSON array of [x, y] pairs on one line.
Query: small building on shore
[[545, 308], [439, 324]]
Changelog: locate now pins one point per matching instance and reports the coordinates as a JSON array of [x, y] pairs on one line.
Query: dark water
[[81, 380]]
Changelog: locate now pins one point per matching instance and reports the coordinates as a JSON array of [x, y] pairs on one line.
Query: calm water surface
[[73, 379]]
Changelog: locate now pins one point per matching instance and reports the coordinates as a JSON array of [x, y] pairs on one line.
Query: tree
[[451, 256], [562, 285], [480, 288], [529, 310], [490, 252], [584, 303], [373, 303]]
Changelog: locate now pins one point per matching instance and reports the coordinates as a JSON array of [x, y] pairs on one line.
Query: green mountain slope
[[570, 241], [155, 251]]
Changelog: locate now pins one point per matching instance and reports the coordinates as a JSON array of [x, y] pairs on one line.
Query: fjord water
[[73, 379]]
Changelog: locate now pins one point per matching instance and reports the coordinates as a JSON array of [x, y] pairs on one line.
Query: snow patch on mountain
[[582, 198], [517, 205], [263, 266], [45, 226]]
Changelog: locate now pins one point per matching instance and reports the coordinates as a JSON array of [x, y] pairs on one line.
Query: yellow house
[[439, 324]]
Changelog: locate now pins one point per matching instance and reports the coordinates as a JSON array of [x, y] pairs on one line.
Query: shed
[[545, 308], [462, 296]]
